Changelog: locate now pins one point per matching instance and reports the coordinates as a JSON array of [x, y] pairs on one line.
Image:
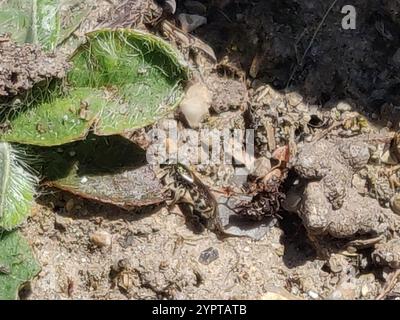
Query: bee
[[192, 194]]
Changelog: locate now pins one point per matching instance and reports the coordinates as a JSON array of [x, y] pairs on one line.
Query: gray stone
[[208, 256]]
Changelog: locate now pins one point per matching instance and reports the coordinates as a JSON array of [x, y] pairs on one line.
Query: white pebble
[[313, 294], [101, 238], [196, 104]]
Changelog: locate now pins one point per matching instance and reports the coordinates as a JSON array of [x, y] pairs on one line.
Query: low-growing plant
[[119, 81]]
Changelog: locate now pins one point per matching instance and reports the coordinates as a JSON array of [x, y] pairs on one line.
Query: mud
[[24, 66]]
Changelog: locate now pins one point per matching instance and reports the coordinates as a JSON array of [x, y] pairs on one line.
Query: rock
[[61, 222], [345, 291], [209, 255], [69, 205], [294, 99], [278, 293], [195, 106], [313, 294], [359, 184], [262, 166], [365, 290], [101, 238], [195, 7], [368, 285], [387, 254], [84, 180], [170, 6], [358, 215], [343, 106], [329, 204], [190, 22], [387, 157], [337, 263], [395, 204]]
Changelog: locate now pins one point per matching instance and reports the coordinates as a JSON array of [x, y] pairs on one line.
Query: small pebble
[[190, 22], [295, 291], [294, 99], [345, 291], [359, 184], [262, 166], [84, 180], [69, 205], [308, 138], [313, 294], [395, 204], [196, 104], [343, 106], [364, 290], [101, 238], [209, 255], [278, 293], [170, 6], [61, 222]]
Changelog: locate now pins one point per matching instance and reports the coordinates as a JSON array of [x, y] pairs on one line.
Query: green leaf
[[17, 264], [17, 187], [16, 18], [59, 121], [121, 80], [47, 23], [44, 22], [107, 169], [141, 73]]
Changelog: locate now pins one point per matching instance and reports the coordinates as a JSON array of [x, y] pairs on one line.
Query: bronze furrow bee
[[193, 196]]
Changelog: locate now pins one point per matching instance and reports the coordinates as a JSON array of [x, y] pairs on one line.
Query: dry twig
[[390, 284]]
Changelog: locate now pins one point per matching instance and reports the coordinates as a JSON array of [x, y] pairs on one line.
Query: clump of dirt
[[23, 66], [329, 204], [228, 93]]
